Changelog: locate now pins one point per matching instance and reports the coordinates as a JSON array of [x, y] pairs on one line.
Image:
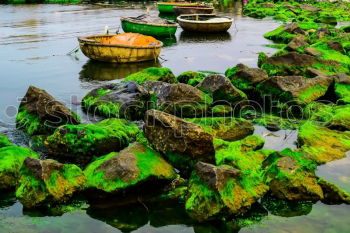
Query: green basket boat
[[168, 7], [147, 25]]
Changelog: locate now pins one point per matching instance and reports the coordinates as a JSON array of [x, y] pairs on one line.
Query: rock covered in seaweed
[[79, 143], [295, 89], [291, 176], [4, 141], [179, 99], [322, 144], [190, 77], [342, 88], [183, 143], [39, 113], [122, 100], [222, 90], [134, 166], [333, 194], [11, 160], [152, 74], [226, 128], [45, 182]]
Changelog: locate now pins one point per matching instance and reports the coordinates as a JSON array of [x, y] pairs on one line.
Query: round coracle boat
[[121, 48], [185, 10], [208, 23], [168, 7]]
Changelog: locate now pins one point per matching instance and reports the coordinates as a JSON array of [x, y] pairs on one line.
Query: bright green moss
[[11, 160], [149, 163], [91, 139], [329, 54], [152, 74], [272, 121], [279, 35], [191, 78], [342, 91], [30, 123], [4, 141]]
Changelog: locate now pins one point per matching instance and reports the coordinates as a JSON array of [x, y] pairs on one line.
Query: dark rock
[[342, 78], [293, 28], [172, 135], [333, 194], [292, 59], [327, 19], [125, 100], [310, 8], [216, 177], [312, 52], [297, 42], [335, 45], [40, 113], [322, 32], [314, 73], [221, 89]]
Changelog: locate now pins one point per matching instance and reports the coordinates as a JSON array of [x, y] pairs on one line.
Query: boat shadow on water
[[103, 71], [204, 37]]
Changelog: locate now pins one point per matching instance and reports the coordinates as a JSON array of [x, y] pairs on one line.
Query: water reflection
[[167, 16], [103, 71], [168, 41], [191, 37]]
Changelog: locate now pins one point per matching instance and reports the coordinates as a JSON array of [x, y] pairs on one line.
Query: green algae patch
[[342, 91], [291, 176], [330, 54], [131, 166], [82, 142], [30, 123], [226, 128], [322, 144], [11, 160], [191, 78], [226, 152], [280, 35], [4, 141], [221, 111], [274, 123], [47, 182], [152, 74]]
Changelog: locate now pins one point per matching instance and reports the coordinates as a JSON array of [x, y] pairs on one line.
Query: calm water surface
[[34, 41]]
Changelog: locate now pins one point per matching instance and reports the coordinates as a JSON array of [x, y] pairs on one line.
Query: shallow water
[[34, 41]]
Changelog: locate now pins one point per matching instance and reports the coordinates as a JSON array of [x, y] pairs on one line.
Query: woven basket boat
[[168, 7], [208, 23]]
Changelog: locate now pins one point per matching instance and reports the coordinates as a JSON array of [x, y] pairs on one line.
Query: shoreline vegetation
[[190, 138]]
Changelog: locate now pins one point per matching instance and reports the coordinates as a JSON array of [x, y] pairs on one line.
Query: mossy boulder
[[284, 33], [221, 111], [131, 167], [190, 77], [333, 194], [179, 99], [152, 74], [183, 143], [222, 90], [342, 88], [297, 43], [322, 144], [47, 182], [294, 89], [79, 143], [122, 100], [245, 78], [4, 141], [226, 128], [40, 114], [11, 160], [291, 176], [275, 123]]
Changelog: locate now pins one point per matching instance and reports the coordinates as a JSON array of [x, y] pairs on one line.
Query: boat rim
[[85, 39], [129, 19], [177, 4], [197, 7], [180, 19]]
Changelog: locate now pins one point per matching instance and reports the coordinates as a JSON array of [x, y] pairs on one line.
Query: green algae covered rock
[[152, 74], [226, 128], [245, 78], [45, 182], [182, 143], [275, 123], [342, 88], [190, 77], [322, 144], [122, 100], [134, 165], [333, 194], [221, 111], [291, 176], [11, 160], [40, 114], [4, 141], [79, 143], [295, 89]]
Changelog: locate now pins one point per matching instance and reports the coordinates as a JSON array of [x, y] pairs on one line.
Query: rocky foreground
[[195, 144]]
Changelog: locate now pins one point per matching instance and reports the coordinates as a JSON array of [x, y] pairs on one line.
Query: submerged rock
[[222, 89], [296, 89], [291, 176], [191, 78], [152, 74], [179, 99], [11, 160], [45, 182], [39, 113], [125, 100], [4, 141], [79, 143], [321, 144], [245, 78], [183, 143], [226, 128], [333, 194], [134, 166]]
